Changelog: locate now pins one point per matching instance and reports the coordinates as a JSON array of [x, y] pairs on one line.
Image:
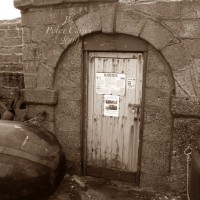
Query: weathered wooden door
[[113, 114]]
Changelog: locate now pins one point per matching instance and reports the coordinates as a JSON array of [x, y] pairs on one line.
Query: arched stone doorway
[[42, 53], [157, 123]]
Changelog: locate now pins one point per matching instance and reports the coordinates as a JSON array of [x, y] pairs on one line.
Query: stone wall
[[158, 123], [68, 110], [50, 29], [11, 76]]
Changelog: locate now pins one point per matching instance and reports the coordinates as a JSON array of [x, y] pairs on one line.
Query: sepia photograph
[[99, 100]]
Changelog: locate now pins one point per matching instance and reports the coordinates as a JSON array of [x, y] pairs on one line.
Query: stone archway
[[158, 120], [122, 19]]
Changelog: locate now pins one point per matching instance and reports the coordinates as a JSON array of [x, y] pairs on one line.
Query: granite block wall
[[11, 75]]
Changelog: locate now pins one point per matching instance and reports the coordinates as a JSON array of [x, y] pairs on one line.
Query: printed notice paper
[[111, 105], [131, 83], [110, 83]]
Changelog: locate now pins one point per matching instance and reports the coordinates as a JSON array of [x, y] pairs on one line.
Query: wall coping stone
[[21, 4]]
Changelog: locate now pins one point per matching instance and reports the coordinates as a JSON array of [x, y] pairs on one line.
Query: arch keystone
[[108, 17], [128, 22], [89, 23]]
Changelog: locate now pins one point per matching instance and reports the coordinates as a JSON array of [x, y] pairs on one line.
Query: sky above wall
[[7, 10]]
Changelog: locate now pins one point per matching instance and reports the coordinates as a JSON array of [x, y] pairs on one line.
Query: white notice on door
[[111, 105], [110, 83], [131, 83]]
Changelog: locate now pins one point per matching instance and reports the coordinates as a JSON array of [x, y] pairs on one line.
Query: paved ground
[[89, 188]]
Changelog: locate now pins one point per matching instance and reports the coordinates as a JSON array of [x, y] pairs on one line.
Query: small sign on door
[[131, 83], [111, 105]]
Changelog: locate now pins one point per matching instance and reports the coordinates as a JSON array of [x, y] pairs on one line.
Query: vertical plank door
[[113, 141]]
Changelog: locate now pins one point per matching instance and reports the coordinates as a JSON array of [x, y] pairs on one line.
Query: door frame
[[110, 43]]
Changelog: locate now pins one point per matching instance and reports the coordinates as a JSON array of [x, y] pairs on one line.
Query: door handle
[[135, 108]]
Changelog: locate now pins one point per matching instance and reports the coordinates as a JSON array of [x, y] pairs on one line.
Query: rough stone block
[[129, 22], [41, 51], [70, 79], [184, 28], [67, 34], [36, 17], [72, 61], [108, 17], [89, 23], [155, 97], [11, 67], [11, 79], [34, 110], [177, 56], [69, 73], [12, 41], [70, 93], [178, 175], [155, 62], [156, 34], [12, 33], [41, 33], [30, 67], [159, 10], [6, 92], [67, 123], [11, 24], [184, 84], [155, 131], [158, 69], [71, 145], [19, 32], [69, 108], [156, 153], [60, 15], [185, 107], [195, 76], [29, 52], [52, 54], [11, 50], [186, 131], [9, 58], [63, 15], [45, 76], [159, 80], [26, 35], [154, 182], [2, 33], [40, 96], [71, 139], [193, 47], [190, 10], [155, 114], [30, 80]]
